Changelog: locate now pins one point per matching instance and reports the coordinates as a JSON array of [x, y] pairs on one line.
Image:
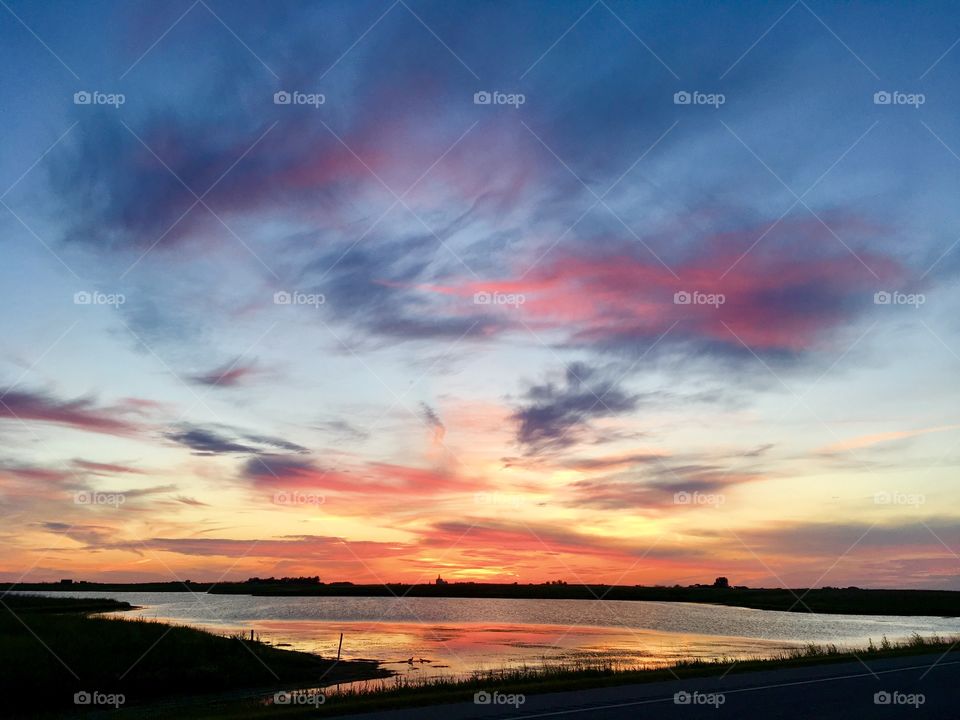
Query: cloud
[[229, 375], [343, 429], [656, 486], [276, 443], [208, 442], [434, 422], [144, 492], [372, 290], [726, 295], [884, 437], [555, 414], [32, 487], [317, 547], [614, 462], [215, 441], [81, 414], [544, 540], [274, 472], [86, 534], [193, 502], [853, 538], [98, 468]]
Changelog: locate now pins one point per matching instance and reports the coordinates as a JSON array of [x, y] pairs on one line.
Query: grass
[[51, 650], [39, 604], [401, 691]]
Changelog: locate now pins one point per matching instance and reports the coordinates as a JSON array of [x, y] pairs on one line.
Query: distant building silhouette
[[440, 581]]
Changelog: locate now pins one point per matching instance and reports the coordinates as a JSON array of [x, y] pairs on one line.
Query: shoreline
[[839, 601]]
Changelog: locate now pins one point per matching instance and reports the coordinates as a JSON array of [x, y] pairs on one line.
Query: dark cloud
[[207, 442], [430, 416], [89, 535], [433, 422], [556, 413], [216, 441], [374, 291], [277, 443], [193, 502]]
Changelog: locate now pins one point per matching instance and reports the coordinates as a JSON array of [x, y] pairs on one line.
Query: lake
[[459, 636]]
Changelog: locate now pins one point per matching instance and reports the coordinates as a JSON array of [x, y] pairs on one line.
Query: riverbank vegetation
[[53, 649]]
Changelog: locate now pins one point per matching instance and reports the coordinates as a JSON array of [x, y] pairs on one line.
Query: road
[[921, 686]]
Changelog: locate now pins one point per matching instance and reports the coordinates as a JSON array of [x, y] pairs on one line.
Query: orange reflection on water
[[461, 649]]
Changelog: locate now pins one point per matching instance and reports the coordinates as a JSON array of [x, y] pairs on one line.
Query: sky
[[607, 292]]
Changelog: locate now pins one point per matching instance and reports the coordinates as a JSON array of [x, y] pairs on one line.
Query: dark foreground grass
[[49, 651], [399, 691]]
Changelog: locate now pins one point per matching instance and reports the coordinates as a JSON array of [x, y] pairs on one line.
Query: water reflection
[[432, 637]]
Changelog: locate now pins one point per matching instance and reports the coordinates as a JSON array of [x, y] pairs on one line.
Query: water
[[459, 636]]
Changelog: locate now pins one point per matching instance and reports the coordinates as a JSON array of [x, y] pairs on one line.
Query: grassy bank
[[847, 601], [401, 692], [51, 649], [36, 604]]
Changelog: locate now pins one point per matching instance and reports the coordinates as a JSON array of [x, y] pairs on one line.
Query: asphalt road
[[922, 686]]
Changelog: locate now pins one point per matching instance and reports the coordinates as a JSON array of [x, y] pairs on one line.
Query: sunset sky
[[388, 330]]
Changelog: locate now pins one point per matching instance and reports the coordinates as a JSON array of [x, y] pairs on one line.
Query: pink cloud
[[784, 294], [81, 414], [371, 479]]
